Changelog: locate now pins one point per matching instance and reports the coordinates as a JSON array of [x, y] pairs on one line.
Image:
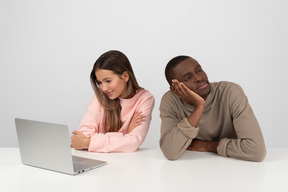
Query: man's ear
[[125, 76]]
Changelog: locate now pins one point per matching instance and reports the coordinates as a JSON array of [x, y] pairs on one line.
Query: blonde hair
[[117, 62]]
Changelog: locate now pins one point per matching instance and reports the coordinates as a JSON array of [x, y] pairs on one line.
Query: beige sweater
[[227, 118]]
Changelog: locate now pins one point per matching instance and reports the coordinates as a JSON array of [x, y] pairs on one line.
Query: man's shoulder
[[227, 88], [170, 99], [168, 95], [225, 85]]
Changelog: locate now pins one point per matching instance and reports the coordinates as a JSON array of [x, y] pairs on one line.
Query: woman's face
[[111, 84]]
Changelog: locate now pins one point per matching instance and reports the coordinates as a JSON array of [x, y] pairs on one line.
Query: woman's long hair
[[117, 62]]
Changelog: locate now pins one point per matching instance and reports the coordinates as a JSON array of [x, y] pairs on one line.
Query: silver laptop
[[47, 146]]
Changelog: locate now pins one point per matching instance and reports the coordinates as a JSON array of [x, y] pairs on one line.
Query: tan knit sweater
[[227, 118]]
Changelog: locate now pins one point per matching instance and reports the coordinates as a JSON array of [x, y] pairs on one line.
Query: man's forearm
[[203, 146], [195, 116]]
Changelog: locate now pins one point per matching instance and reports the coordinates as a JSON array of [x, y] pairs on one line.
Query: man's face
[[192, 75]]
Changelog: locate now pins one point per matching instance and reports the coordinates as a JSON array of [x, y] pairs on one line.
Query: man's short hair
[[171, 65]]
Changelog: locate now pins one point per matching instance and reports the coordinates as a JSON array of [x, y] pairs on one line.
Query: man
[[210, 117]]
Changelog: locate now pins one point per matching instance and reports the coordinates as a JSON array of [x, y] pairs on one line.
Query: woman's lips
[[109, 93]]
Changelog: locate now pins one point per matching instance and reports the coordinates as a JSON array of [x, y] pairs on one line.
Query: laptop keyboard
[[79, 166]]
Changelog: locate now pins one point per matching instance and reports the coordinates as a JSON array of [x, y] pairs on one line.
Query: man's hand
[[186, 94], [191, 98], [203, 146], [79, 141]]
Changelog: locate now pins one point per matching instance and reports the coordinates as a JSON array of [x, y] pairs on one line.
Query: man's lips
[[202, 85]]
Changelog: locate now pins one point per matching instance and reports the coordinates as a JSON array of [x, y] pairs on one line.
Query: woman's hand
[[137, 120], [79, 141]]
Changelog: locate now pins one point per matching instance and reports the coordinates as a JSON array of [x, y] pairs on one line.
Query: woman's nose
[[104, 87]]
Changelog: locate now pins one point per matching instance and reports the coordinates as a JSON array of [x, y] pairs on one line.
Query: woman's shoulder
[[140, 96], [144, 93], [94, 101], [144, 96]]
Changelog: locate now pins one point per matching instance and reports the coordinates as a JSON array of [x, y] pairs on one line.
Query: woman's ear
[[125, 76]]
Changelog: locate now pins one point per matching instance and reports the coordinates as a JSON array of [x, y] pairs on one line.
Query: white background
[[47, 49]]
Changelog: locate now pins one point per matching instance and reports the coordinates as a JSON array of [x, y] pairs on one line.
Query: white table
[[147, 170]]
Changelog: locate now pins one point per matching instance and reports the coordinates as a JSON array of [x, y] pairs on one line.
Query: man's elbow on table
[[259, 154], [256, 153], [256, 150], [170, 154]]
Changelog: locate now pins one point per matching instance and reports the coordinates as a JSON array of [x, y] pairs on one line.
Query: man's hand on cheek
[[186, 94]]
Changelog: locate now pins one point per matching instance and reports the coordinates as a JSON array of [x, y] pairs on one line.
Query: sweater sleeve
[[176, 133], [121, 142], [91, 120], [249, 144]]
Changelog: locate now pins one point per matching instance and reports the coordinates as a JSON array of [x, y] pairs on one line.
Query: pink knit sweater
[[92, 124]]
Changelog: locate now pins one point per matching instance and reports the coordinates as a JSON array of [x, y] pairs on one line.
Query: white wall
[[47, 49]]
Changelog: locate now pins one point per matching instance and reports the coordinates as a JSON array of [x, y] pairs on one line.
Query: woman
[[118, 117]]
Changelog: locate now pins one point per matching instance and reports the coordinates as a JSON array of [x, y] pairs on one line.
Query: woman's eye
[[108, 81]]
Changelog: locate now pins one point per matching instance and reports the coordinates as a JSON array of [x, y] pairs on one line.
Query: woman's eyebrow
[[106, 78]]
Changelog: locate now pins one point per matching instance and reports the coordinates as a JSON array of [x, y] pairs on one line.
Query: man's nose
[[197, 78]]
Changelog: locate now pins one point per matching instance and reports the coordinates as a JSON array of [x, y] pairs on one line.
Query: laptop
[[47, 145]]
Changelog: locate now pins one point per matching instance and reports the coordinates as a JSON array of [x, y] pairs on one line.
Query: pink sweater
[[92, 124]]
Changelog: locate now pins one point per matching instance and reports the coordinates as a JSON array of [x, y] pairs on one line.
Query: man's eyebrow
[[189, 73], [185, 74], [197, 66]]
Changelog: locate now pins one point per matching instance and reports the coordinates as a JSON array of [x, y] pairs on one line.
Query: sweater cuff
[[222, 147], [187, 129], [100, 142]]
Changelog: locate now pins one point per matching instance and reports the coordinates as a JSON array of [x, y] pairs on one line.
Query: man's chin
[[205, 94]]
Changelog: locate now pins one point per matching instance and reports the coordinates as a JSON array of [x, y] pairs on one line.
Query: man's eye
[[187, 78]]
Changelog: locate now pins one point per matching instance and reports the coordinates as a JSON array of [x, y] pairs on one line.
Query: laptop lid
[[47, 145]]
